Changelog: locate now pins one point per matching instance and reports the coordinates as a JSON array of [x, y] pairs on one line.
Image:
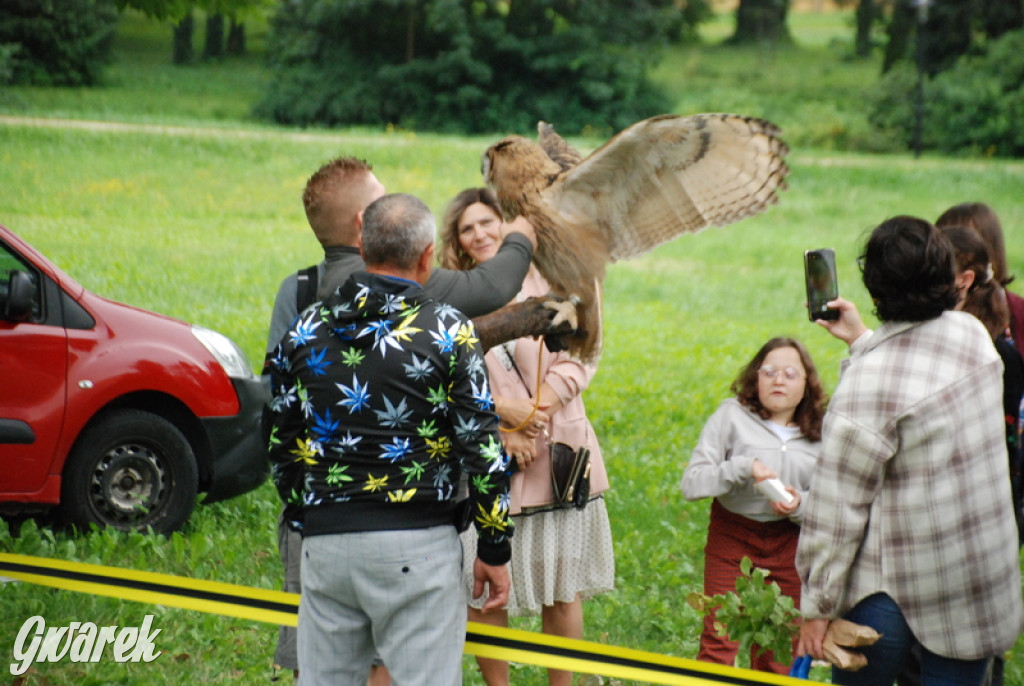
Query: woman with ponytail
[[982, 295]]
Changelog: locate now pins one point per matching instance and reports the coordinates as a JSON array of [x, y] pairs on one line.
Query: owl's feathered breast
[[571, 252]]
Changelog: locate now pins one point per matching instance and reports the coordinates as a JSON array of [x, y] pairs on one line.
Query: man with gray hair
[[380, 401]]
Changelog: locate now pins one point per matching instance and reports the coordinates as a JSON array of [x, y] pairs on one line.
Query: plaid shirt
[[911, 496]]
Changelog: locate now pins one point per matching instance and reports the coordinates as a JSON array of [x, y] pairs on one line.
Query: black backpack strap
[[305, 287]]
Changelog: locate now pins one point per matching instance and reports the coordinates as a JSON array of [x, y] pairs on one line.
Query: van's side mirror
[[17, 306]]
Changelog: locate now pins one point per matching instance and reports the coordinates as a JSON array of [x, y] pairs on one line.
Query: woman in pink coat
[[560, 555]]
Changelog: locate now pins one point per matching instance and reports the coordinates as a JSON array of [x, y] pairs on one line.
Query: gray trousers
[[289, 544], [397, 593]]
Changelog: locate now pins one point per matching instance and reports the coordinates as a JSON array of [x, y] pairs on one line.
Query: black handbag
[[570, 467], [570, 475]]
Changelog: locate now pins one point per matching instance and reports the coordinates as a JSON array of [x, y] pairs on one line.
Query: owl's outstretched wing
[[671, 175]]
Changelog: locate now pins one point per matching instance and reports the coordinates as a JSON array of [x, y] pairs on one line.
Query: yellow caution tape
[[274, 607], [544, 650], [278, 607]]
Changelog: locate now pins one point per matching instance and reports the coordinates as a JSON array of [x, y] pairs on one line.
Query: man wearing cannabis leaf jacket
[[380, 399]]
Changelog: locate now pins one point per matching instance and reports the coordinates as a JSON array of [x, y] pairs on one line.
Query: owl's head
[[516, 167]]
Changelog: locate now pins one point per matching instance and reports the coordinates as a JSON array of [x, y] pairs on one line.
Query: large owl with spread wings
[[658, 179]]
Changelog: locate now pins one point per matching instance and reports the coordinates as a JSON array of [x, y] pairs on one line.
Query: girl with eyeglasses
[[770, 430]]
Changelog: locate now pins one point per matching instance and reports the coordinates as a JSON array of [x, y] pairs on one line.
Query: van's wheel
[[129, 470]]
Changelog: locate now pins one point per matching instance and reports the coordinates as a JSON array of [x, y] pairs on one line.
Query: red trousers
[[769, 545]]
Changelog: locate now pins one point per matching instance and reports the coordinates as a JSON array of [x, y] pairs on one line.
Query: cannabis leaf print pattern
[[380, 397]]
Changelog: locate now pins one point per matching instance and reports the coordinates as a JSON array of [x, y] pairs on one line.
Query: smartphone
[[822, 285]]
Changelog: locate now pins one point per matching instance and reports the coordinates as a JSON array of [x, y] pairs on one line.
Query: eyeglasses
[[789, 373], [860, 262]]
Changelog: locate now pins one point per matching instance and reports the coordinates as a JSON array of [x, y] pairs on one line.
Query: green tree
[[899, 33], [180, 13], [181, 33], [236, 37], [214, 47], [466, 65], [946, 34], [975, 107], [866, 13], [948, 29], [761, 21], [59, 42], [159, 9], [949, 81], [999, 17]]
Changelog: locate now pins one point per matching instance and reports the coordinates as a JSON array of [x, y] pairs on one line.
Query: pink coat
[[569, 378]]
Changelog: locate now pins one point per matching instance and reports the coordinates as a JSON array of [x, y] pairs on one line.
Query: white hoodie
[[720, 466]]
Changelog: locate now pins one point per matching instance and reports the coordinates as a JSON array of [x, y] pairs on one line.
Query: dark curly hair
[[909, 271], [809, 412]]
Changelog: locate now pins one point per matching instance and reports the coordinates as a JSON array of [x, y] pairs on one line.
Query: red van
[[115, 415]]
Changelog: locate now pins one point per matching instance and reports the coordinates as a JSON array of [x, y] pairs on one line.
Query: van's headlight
[[231, 358]]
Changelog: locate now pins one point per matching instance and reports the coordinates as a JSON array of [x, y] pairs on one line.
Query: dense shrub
[[464, 65], [60, 42], [976, 106], [892, 101]]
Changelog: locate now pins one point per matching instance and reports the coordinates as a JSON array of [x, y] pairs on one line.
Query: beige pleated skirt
[[556, 555]]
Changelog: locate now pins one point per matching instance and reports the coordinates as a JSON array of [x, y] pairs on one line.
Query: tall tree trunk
[[182, 50], [236, 38], [947, 33], [866, 11], [901, 30], [944, 33], [410, 34], [761, 21], [214, 46]]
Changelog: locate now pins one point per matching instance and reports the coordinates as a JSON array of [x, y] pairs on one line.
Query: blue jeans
[[891, 652]]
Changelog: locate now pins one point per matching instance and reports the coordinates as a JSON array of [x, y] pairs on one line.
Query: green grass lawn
[[196, 213]]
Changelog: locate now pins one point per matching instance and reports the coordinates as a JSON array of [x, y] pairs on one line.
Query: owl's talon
[[565, 311]]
